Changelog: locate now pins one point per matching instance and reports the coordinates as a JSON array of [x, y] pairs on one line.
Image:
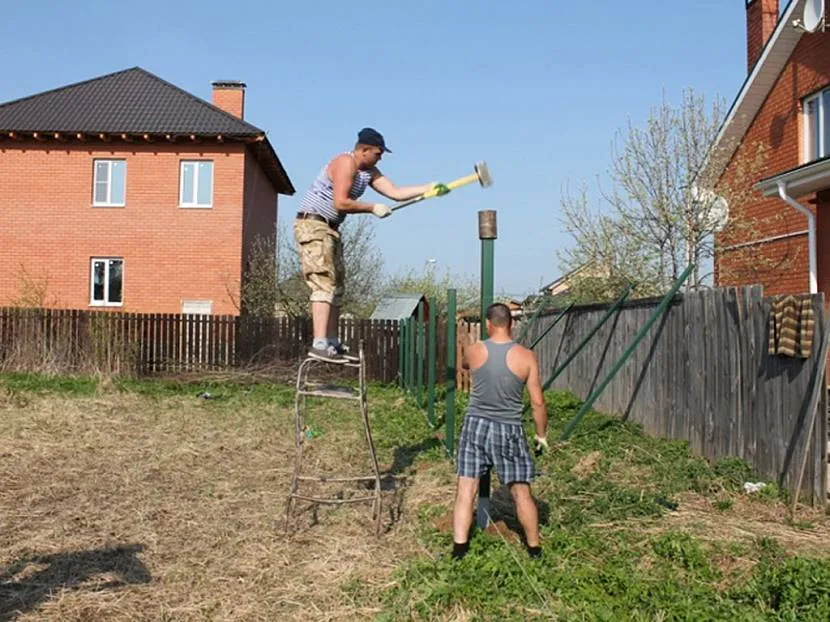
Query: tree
[[364, 270], [657, 217], [433, 286]]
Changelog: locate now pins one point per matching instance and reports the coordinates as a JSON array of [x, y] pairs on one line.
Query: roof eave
[[800, 181]]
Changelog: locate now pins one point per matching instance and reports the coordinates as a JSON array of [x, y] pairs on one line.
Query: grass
[[163, 500]]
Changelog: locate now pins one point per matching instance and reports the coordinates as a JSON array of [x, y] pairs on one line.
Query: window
[[109, 183], [107, 282], [196, 184], [197, 307], [816, 112]]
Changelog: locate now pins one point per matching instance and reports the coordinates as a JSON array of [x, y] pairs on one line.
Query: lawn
[[125, 500]]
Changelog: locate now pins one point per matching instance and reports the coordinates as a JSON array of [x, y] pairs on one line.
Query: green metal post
[[487, 233], [410, 352], [449, 437], [431, 347], [419, 394], [532, 321], [552, 325], [586, 406], [401, 353]]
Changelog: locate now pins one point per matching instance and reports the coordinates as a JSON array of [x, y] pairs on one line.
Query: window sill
[[194, 206], [106, 304], [110, 205]]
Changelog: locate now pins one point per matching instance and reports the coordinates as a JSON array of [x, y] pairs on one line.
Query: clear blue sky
[[534, 87]]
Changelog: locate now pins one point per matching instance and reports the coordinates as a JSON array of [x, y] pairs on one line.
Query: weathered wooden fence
[[703, 374], [73, 340]]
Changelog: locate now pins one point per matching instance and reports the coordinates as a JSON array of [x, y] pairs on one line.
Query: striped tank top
[[319, 199]]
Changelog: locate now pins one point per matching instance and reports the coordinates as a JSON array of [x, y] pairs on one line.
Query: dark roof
[[134, 101]]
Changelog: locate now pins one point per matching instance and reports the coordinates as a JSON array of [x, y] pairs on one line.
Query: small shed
[[400, 307]]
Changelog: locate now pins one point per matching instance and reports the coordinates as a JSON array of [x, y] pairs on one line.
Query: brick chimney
[[761, 19], [229, 95]]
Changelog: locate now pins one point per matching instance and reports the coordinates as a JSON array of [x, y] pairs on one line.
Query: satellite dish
[[813, 15], [716, 208]]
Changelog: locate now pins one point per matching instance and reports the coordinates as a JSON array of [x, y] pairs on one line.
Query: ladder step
[[336, 501], [329, 390]]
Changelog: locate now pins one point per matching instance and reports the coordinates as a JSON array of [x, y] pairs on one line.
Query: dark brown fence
[[68, 341], [703, 374]]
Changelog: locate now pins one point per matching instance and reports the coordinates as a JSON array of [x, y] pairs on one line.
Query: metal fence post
[[431, 348], [449, 419], [487, 233]]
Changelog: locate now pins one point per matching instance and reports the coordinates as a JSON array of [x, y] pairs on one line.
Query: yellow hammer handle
[[463, 181]]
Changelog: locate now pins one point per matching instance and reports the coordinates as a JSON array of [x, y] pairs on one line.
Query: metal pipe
[[419, 394], [551, 326], [401, 353], [487, 233], [410, 368], [431, 347], [532, 321], [449, 418], [661, 308], [811, 233]]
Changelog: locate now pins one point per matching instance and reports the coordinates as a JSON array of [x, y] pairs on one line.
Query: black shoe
[[328, 355], [344, 352]]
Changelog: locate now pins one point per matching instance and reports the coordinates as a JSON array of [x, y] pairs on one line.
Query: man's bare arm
[[342, 172], [386, 187], [537, 398]]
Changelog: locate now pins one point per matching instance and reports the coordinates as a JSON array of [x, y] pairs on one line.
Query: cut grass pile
[[165, 501]]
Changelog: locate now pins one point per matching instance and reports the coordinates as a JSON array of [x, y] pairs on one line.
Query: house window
[[109, 183], [196, 185], [816, 113], [107, 282]]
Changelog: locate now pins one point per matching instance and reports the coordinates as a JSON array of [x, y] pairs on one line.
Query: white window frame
[[108, 202], [822, 150], [195, 204], [105, 302]]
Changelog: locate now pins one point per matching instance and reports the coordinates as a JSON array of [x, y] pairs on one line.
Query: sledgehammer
[[481, 175]]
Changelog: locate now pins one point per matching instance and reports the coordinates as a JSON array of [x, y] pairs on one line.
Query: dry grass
[[129, 507]]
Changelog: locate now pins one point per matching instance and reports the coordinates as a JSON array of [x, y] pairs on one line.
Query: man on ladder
[[333, 194], [492, 434]]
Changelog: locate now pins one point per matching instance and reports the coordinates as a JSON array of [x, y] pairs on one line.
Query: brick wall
[[778, 126], [49, 228]]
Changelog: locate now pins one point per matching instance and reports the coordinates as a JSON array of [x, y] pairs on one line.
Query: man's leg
[[320, 319], [462, 515], [333, 323], [528, 515]]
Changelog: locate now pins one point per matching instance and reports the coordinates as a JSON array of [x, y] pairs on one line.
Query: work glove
[[380, 210], [541, 443], [440, 189]]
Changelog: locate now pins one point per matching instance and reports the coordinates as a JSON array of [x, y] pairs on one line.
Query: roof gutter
[[811, 232]]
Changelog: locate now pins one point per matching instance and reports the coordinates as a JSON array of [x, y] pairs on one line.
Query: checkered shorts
[[486, 443]]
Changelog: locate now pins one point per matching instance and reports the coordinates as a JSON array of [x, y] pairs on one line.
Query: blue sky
[[536, 88]]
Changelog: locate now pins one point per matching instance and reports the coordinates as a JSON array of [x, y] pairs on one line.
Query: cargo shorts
[[321, 260]]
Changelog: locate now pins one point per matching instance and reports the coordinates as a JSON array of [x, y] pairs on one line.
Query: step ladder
[[306, 388]]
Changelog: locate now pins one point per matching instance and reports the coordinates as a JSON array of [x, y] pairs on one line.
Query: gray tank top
[[497, 391]]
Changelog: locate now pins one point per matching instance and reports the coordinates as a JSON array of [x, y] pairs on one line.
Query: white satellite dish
[[716, 208], [813, 16]]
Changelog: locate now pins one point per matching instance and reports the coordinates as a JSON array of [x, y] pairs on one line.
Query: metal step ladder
[[306, 388]]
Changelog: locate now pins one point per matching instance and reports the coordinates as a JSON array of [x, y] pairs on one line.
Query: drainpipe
[[811, 233]]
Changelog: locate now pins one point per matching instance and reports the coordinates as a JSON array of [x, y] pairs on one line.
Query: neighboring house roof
[[396, 306], [752, 94], [136, 102]]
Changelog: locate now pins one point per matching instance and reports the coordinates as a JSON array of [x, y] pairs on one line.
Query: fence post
[[402, 354], [431, 347], [449, 418], [487, 233], [410, 353], [419, 393]]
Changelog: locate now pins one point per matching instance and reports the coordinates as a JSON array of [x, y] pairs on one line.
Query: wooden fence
[[68, 341], [703, 374]]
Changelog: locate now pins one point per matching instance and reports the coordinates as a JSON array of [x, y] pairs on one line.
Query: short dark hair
[[499, 315]]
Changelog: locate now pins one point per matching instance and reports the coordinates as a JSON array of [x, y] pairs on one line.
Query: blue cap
[[369, 136]]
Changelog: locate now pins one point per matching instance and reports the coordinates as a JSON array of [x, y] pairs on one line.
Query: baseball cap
[[369, 136]]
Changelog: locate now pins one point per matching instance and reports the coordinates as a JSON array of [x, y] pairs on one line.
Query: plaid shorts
[[486, 443]]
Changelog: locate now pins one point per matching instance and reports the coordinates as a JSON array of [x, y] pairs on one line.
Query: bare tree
[[429, 283], [658, 216]]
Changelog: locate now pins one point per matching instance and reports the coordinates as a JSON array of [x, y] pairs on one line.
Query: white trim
[[109, 162], [811, 233], [803, 180], [195, 204], [762, 79], [105, 302]]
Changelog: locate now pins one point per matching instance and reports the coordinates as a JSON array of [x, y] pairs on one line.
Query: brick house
[[126, 192], [784, 106]]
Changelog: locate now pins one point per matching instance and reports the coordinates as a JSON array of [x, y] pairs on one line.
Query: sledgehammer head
[[483, 173]]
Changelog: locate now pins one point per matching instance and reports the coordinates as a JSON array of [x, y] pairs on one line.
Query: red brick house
[[126, 192], [784, 105]]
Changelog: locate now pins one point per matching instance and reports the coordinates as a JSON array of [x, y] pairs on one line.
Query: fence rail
[[71, 341], [703, 374]]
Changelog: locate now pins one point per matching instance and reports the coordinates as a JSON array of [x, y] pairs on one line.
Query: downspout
[[811, 233]]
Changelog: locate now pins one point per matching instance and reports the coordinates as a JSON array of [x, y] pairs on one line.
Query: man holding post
[[333, 195], [492, 434]]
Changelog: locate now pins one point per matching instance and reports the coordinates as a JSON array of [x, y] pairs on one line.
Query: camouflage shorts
[[321, 260]]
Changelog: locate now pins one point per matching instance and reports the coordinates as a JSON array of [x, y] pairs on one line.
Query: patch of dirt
[[586, 465]]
